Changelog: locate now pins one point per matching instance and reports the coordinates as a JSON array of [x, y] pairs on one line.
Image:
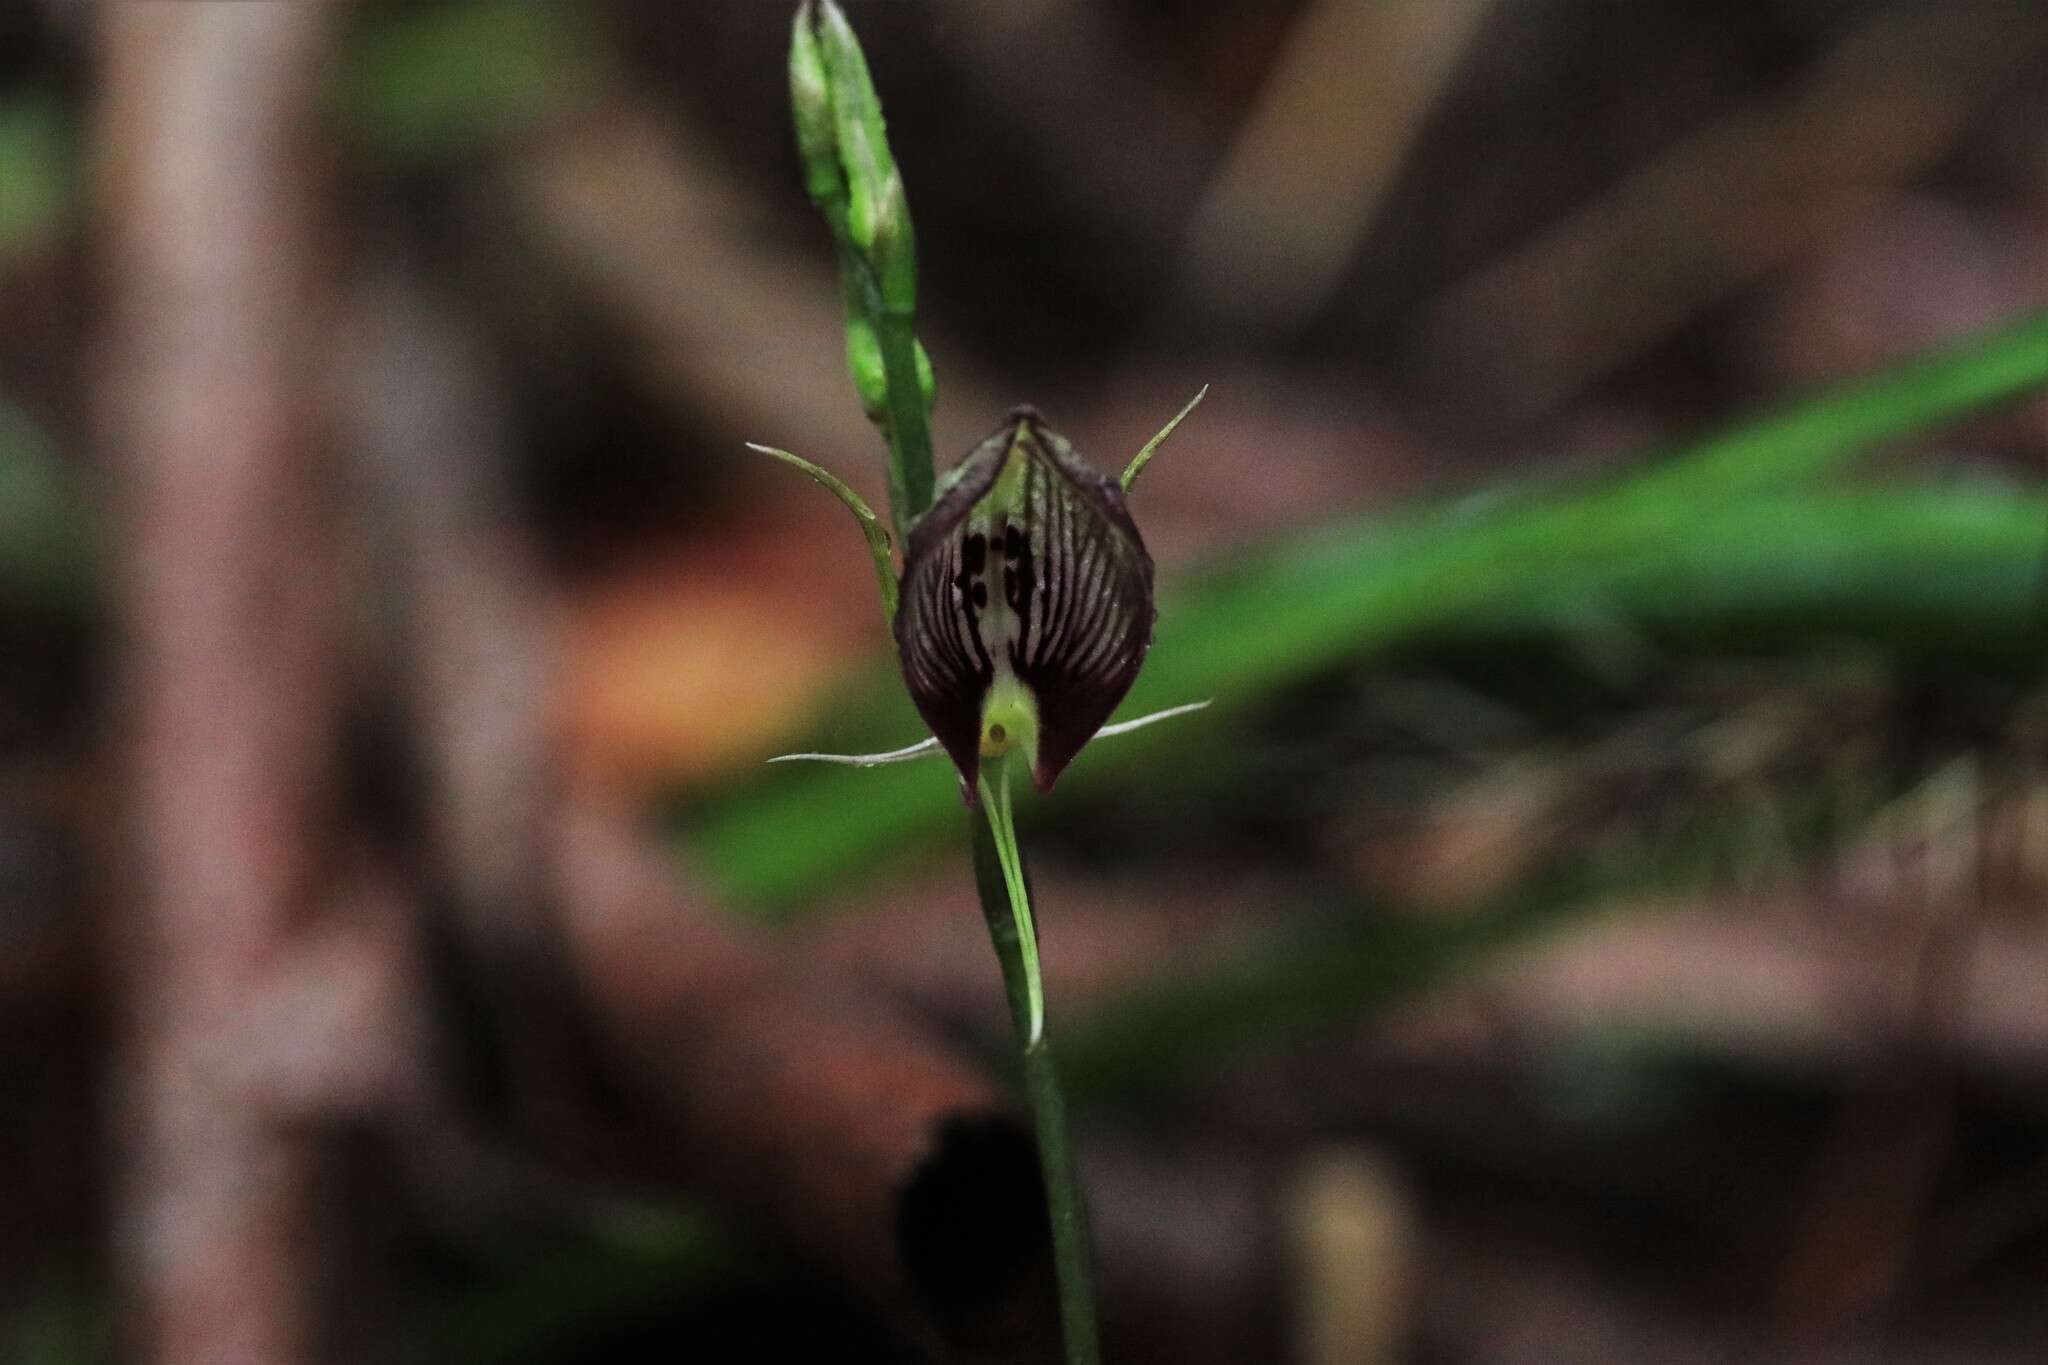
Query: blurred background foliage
[[1600, 916]]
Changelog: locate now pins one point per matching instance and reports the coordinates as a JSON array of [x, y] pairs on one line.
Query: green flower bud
[[810, 102], [851, 176], [878, 215], [927, 381], [864, 363], [1026, 607]]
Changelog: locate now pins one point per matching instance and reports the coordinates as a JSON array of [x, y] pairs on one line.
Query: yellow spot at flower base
[[1010, 719]]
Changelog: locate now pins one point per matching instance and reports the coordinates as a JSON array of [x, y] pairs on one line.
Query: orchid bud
[[877, 214], [864, 362], [810, 103], [1026, 606]]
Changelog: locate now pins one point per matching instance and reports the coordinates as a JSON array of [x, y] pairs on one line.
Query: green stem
[[909, 430], [1000, 877]]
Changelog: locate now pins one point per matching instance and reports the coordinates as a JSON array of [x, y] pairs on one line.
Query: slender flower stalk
[[995, 790], [1005, 886], [1024, 608]]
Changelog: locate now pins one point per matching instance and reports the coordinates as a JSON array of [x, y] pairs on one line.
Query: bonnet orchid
[[1022, 616], [1024, 611], [1024, 608]]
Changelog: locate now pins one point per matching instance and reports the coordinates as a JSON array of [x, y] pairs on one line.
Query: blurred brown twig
[[229, 602]]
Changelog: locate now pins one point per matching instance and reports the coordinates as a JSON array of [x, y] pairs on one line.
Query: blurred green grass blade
[[650, 1259], [1812, 437], [1949, 569], [46, 532], [38, 172], [431, 83], [1802, 559], [1953, 572]]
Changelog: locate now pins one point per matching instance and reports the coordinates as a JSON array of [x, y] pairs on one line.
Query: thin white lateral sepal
[[1124, 727], [925, 748], [922, 749]]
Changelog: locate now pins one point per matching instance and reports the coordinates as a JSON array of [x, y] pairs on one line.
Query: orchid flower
[[1024, 608], [1024, 611]]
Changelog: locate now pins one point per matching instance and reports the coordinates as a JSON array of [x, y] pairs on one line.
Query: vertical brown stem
[[227, 603]]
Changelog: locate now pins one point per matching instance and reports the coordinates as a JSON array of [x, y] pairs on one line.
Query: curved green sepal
[[1144, 456], [870, 525]]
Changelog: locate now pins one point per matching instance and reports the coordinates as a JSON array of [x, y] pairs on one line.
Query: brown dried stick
[[467, 648], [228, 610], [668, 245], [1723, 207], [1313, 161]]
